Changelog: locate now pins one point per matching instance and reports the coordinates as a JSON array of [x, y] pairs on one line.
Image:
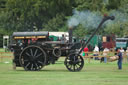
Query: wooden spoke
[[27, 65], [35, 52], [38, 55], [40, 62], [32, 67], [28, 54], [31, 52]]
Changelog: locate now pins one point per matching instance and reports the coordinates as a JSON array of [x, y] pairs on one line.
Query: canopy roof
[[22, 34]]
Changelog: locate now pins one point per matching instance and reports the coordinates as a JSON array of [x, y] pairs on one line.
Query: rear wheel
[[32, 58], [74, 62]]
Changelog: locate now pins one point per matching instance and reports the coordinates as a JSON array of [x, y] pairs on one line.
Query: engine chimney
[[70, 34]]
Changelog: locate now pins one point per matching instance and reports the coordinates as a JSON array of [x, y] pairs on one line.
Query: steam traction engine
[[34, 50]]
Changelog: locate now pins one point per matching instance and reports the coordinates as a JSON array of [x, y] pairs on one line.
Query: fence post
[[89, 59]]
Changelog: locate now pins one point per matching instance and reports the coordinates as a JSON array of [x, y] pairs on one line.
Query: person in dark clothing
[[120, 59]]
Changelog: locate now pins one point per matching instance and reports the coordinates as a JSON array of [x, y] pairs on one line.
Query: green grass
[[2, 50], [93, 73]]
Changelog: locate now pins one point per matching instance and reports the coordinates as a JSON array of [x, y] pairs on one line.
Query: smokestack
[[70, 34]]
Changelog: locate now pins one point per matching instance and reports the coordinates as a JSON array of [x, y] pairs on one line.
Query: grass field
[[93, 73], [2, 50]]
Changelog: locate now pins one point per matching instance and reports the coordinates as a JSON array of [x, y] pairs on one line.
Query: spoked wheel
[[32, 58], [74, 62]]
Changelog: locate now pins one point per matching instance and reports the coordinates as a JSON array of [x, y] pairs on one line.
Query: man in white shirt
[[96, 52]]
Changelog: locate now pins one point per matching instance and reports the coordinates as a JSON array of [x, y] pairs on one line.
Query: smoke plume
[[91, 20], [120, 17], [88, 19]]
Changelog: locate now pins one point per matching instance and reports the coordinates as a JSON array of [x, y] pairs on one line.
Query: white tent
[[5, 41], [59, 34]]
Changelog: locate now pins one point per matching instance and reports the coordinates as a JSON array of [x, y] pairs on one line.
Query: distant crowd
[[119, 54]]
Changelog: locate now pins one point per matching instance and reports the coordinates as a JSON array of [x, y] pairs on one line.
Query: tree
[[119, 27], [80, 31], [93, 5], [124, 6], [113, 4], [55, 24], [25, 15]]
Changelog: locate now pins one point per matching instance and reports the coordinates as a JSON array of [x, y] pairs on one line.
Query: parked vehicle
[[122, 42]]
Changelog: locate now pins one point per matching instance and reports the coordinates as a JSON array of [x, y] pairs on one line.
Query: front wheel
[[74, 62]]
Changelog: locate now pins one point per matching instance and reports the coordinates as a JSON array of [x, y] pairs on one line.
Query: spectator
[[96, 49], [96, 52], [119, 63], [63, 39], [127, 53], [105, 53], [85, 51], [122, 50]]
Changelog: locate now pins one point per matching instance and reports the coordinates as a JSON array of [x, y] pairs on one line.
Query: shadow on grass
[[44, 70], [47, 68], [56, 70]]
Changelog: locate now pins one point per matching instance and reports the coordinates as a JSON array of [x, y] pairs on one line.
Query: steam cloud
[[86, 18], [119, 18], [90, 19]]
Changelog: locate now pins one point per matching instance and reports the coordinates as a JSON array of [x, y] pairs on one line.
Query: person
[[105, 53], [127, 53], [119, 63], [63, 39], [122, 50], [96, 52], [86, 50]]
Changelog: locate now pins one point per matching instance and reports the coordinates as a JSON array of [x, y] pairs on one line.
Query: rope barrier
[[5, 55]]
